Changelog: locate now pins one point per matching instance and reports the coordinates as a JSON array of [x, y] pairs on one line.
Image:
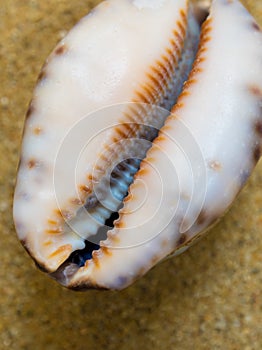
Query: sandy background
[[207, 298]]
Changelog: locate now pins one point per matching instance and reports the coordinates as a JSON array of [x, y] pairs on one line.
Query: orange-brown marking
[[106, 251], [143, 170], [113, 238], [177, 106], [54, 231], [154, 80], [63, 250], [47, 243], [129, 197], [119, 224], [150, 160], [58, 213], [172, 55], [182, 28], [85, 188], [200, 59], [160, 138], [163, 67], [99, 169], [190, 82], [121, 132], [201, 50], [183, 15], [197, 70], [60, 50], [131, 118], [52, 222], [184, 94], [144, 98], [179, 38], [95, 257]]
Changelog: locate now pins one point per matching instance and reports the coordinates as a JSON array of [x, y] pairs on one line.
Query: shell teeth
[[129, 138]]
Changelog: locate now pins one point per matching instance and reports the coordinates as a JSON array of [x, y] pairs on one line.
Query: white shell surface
[[205, 152], [102, 61]]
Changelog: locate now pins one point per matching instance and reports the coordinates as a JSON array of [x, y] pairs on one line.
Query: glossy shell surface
[[115, 60]]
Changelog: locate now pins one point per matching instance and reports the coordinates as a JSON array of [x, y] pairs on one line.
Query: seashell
[[144, 125]]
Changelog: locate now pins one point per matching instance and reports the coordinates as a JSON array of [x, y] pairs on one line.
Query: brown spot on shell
[[256, 153], [255, 90], [60, 50], [33, 164], [37, 131], [215, 165], [202, 217], [255, 26], [182, 239], [258, 127]]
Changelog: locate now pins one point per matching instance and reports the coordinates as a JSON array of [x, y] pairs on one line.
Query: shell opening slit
[[123, 173]]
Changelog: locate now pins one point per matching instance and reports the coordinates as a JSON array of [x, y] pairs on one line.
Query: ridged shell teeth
[[110, 84]]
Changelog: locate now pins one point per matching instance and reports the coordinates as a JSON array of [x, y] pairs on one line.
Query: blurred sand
[[207, 298]]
